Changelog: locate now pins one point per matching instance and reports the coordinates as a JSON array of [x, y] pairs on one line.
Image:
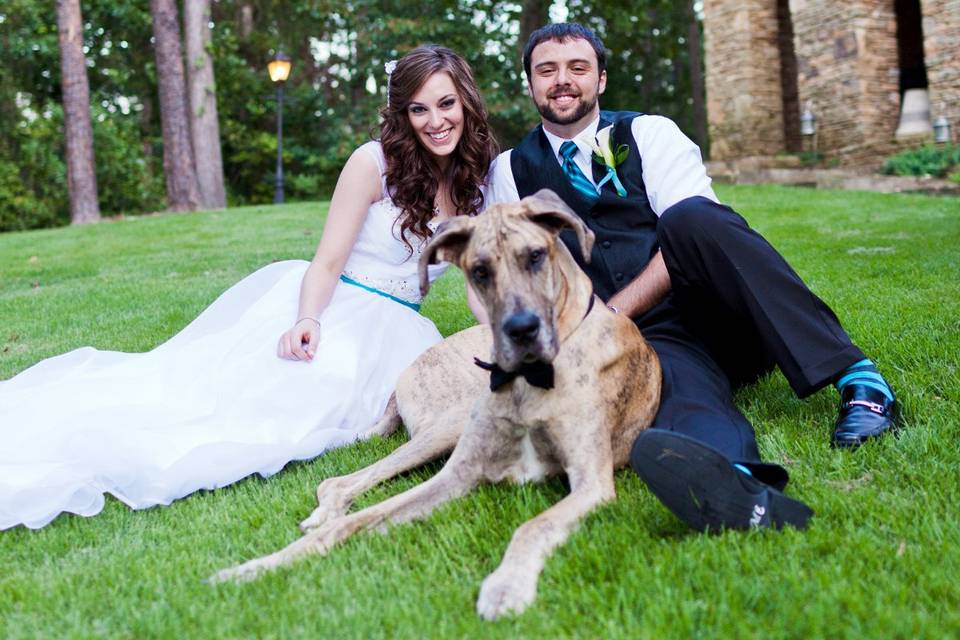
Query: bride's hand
[[300, 341]]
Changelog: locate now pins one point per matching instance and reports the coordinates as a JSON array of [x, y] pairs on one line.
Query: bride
[[222, 399]]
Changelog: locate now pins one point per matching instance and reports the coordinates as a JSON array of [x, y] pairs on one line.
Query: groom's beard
[[552, 116]]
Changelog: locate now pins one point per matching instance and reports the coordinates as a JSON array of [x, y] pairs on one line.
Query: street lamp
[[279, 69]]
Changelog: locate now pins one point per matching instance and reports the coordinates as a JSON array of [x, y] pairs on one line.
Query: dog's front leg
[[335, 495], [457, 478], [513, 586]]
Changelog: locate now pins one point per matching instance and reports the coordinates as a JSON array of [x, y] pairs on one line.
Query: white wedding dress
[[214, 403]]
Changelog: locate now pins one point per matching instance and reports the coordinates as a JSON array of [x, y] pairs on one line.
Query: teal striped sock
[[865, 373]]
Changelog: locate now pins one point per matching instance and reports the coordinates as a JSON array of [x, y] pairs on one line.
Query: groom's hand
[[300, 341]]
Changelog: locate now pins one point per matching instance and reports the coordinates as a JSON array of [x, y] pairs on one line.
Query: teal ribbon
[[412, 305], [612, 175]]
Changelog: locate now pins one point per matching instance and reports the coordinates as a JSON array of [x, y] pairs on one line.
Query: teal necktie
[[579, 181]]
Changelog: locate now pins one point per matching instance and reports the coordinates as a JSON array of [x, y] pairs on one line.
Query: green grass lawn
[[880, 560]]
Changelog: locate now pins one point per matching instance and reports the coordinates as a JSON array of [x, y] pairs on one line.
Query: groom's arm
[[645, 291], [479, 312]]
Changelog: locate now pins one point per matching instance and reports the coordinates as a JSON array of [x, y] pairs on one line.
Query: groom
[[718, 304]]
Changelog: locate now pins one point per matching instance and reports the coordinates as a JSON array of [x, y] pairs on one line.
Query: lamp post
[[279, 69]]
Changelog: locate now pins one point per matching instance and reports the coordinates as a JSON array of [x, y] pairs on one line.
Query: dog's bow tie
[[538, 374]]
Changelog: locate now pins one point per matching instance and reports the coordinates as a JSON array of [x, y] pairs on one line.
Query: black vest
[[625, 228]]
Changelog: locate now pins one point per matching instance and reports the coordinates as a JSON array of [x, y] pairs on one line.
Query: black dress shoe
[[703, 488], [865, 413]]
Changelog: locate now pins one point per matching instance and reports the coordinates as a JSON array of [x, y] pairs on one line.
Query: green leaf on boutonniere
[[598, 158], [622, 152]]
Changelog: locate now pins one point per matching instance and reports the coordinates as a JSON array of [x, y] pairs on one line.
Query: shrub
[[930, 160], [129, 176], [33, 177]]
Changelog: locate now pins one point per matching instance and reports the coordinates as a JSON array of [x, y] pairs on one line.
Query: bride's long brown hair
[[413, 174]]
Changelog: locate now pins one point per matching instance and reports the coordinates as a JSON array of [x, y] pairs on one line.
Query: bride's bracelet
[[307, 318]]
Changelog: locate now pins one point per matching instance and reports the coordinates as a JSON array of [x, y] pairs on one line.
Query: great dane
[[570, 386]]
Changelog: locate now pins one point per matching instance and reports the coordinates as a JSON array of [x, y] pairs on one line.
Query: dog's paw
[[241, 573], [333, 502], [505, 592], [320, 516]]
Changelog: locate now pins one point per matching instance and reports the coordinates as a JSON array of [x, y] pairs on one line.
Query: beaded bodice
[[379, 258]]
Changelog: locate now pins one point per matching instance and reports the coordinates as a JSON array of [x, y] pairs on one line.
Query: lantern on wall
[[941, 131], [808, 122]]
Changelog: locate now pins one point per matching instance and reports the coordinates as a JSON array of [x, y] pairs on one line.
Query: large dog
[[570, 387]]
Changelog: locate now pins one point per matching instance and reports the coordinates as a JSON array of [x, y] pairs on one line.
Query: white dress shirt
[[672, 166]]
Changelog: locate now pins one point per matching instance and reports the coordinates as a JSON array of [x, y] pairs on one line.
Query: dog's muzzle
[[522, 328]]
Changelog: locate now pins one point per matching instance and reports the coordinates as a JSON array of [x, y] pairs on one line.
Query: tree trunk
[[204, 128], [696, 78], [81, 175], [183, 193], [246, 20], [533, 15]]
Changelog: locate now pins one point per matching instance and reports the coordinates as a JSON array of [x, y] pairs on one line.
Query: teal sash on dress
[[412, 305]]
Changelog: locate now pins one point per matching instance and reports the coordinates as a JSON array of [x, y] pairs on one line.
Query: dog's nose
[[522, 327]]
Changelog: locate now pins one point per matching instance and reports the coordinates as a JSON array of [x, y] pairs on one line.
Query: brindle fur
[[607, 389]]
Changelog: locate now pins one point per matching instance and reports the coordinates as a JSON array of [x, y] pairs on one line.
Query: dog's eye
[[480, 274], [535, 257]]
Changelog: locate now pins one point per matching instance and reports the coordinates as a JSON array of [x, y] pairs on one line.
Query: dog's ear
[[447, 244], [547, 209]]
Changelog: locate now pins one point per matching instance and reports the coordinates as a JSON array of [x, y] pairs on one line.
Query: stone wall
[[847, 70], [941, 31], [744, 100], [848, 73]]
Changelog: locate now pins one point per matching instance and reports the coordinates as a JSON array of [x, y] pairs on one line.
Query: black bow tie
[[538, 374]]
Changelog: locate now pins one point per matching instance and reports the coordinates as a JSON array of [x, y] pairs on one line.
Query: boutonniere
[[605, 154]]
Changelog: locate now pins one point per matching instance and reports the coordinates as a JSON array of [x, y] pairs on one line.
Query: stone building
[[849, 62]]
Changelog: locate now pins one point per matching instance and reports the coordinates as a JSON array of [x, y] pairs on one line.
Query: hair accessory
[[388, 67]]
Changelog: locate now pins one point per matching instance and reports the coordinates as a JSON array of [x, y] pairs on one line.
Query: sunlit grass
[[880, 559]]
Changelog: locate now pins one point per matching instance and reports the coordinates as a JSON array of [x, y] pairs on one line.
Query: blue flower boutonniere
[[604, 153]]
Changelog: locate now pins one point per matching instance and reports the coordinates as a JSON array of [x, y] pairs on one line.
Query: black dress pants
[[735, 310]]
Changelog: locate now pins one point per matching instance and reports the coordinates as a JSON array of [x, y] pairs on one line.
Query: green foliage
[[811, 158], [129, 176], [336, 88], [19, 207], [648, 63], [33, 181], [930, 160], [335, 92], [33, 177]]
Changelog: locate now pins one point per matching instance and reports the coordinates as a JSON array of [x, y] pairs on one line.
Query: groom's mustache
[[562, 90]]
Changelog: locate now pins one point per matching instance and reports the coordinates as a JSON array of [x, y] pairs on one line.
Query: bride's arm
[[476, 307], [497, 188], [357, 188]]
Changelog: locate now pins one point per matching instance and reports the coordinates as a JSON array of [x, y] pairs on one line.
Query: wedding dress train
[[214, 403]]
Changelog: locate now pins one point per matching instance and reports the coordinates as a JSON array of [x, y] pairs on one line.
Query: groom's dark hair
[[561, 31]]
